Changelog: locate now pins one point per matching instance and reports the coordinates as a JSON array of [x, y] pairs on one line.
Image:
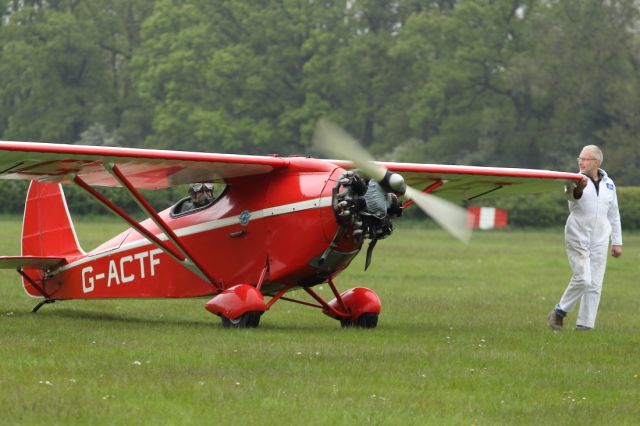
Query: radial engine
[[364, 209]]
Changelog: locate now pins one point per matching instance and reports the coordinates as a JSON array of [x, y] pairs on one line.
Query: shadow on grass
[[111, 318], [214, 323]]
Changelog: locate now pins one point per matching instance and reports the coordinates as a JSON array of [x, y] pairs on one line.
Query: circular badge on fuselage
[[244, 217]]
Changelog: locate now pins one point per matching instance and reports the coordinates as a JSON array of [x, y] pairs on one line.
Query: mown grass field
[[462, 339]]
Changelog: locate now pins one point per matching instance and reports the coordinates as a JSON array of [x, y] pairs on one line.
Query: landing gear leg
[[361, 304]]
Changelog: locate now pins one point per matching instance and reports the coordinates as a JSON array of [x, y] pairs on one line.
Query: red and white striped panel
[[488, 217]]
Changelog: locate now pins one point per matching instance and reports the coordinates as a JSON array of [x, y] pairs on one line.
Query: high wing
[[144, 168], [155, 169], [465, 183]]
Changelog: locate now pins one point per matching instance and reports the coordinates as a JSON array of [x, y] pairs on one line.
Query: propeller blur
[[334, 141]]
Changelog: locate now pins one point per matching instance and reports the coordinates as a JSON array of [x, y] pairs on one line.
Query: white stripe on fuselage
[[207, 226]]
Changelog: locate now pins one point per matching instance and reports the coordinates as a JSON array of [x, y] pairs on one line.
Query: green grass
[[462, 339]]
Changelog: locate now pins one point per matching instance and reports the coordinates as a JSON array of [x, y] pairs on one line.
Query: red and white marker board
[[488, 217]]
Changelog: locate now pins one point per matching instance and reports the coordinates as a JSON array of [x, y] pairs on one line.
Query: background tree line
[[519, 83]]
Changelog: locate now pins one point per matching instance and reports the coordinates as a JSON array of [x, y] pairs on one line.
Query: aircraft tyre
[[248, 320], [366, 320]]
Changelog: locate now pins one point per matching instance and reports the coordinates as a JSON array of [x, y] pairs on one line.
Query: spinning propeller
[[334, 141]]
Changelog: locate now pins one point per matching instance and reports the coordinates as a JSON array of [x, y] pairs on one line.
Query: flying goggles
[[197, 187]]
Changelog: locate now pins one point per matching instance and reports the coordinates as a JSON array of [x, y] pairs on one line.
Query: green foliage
[[629, 202], [65, 68], [13, 194], [228, 76], [52, 75]]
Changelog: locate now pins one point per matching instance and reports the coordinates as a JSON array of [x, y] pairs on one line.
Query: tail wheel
[[247, 320], [366, 320]]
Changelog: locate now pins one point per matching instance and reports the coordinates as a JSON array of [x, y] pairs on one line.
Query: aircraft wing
[[144, 168], [465, 183]]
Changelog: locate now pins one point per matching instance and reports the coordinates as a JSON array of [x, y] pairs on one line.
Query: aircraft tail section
[[47, 229]]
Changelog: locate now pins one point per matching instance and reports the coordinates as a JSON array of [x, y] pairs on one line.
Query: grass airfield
[[462, 339]]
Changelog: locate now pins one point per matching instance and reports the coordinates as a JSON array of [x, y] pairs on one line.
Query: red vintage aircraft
[[281, 223]]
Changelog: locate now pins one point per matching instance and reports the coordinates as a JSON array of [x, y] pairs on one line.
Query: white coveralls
[[593, 220]]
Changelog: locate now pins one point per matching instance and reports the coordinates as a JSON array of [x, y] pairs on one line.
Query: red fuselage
[[282, 221]]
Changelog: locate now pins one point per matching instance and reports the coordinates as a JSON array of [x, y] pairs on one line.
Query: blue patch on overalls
[[610, 186]]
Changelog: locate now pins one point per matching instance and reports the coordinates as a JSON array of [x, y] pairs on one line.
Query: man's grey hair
[[596, 151]]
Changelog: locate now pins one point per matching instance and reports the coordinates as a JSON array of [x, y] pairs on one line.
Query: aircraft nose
[[397, 184]]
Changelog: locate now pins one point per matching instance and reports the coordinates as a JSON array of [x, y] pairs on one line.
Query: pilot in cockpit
[[200, 194]]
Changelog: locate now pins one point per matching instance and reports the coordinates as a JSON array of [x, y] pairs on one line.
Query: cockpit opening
[[200, 196]]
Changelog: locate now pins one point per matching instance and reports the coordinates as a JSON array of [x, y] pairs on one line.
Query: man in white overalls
[[593, 220]]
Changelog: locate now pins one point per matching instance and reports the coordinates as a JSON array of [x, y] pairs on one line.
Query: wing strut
[[189, 261], [181, 255], [485, 192]]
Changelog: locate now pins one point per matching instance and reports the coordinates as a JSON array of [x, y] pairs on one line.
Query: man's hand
[[616, 251], [577, 190], [582, 184]]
